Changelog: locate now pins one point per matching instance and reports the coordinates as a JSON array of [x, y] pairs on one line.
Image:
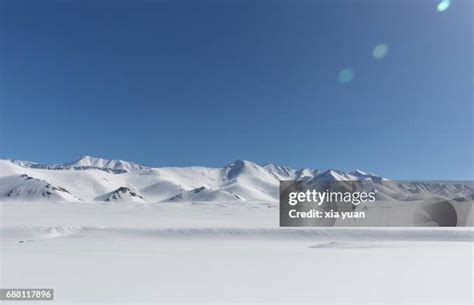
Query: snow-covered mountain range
[[87, 162], [91, 179]]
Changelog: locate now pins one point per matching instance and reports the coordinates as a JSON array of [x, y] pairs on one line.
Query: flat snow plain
[[208, 253]]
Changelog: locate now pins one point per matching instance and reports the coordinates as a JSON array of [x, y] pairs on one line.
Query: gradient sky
[[204, 83]]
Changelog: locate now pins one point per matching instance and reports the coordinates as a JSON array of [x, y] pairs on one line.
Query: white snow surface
[[225, 254]]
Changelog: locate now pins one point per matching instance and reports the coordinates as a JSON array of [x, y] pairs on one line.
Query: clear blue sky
[[204, 83]]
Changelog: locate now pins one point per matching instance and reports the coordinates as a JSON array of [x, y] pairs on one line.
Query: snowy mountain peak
[[239, 167], [339, 175], [361, 175], [306, 173], [280, 172], [358, 173], [117, 166], [241, 164], [122, 194], [334, 175], [25, 163]]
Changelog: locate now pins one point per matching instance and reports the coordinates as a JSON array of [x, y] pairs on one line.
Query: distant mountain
[[91, 179], [86, 162], [118, 166]]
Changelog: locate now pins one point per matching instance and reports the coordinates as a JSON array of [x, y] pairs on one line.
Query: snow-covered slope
[[92, 179], [202, 194], [280, 172], [250, 180], [24, 187], [122, 194]]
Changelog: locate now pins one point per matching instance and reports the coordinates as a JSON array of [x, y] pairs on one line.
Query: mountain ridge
[[86, 162], [91, 179]]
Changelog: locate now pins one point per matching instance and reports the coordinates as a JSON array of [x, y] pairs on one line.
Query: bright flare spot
[[346, 76], [443, 5], [380, 51]]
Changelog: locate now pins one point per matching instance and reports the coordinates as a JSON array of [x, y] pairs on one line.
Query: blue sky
[[204, 83]]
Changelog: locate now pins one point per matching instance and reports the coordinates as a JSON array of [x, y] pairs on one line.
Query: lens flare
[[380, 51], [443, 5], [346, 76]]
